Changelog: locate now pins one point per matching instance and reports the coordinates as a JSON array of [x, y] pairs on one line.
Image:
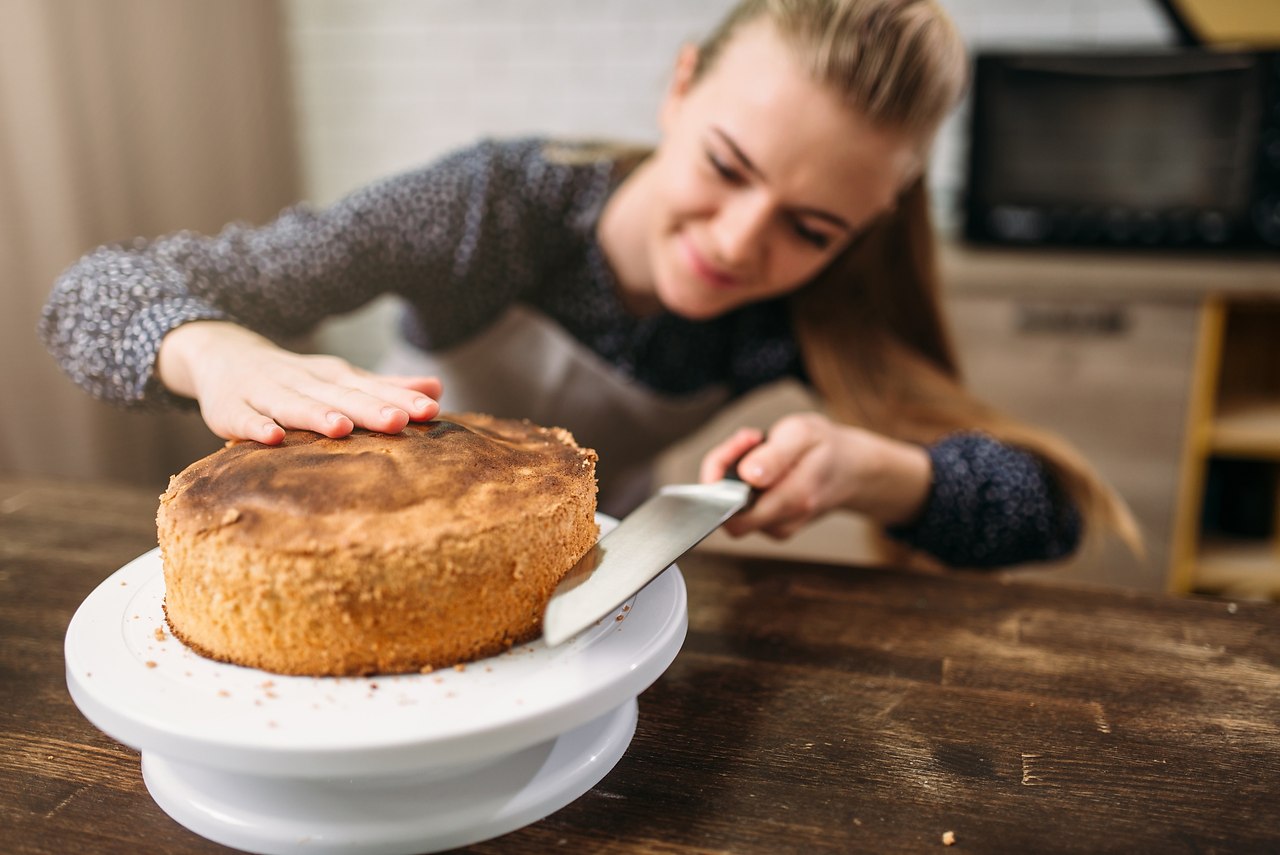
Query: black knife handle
[[731, 474]]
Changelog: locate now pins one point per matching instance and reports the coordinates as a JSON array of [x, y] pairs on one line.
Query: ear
[[681, 82]]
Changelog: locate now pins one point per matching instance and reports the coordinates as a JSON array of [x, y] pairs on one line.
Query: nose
[[739, 229]]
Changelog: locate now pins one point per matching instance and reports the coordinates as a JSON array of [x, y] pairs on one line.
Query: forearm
[[106, 316], [108, 313], [890, 480]]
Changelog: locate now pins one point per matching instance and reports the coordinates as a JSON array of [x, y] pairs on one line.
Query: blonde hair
[[869, 326]]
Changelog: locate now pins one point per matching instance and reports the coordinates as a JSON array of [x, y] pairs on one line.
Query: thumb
[[718, 460]]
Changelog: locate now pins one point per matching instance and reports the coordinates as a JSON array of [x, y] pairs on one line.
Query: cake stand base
[[390, 815]]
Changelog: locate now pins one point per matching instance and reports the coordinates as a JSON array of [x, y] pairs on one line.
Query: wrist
[[185, 347], [893, 479]]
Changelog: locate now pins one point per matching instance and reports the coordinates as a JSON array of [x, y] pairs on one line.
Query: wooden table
[[812, 709]]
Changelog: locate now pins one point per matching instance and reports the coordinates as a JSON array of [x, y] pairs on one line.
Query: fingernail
[[421, 403], [390, 412], [333, 418], [755, 471]]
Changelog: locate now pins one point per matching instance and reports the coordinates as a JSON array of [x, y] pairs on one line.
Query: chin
[[691, 308]]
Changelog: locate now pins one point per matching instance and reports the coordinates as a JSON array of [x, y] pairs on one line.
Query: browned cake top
[[459, 473]]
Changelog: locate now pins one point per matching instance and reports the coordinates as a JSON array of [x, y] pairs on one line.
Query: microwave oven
[[1160, 148]]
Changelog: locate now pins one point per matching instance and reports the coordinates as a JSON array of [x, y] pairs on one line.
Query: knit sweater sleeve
[[991, 505], [414, 234]]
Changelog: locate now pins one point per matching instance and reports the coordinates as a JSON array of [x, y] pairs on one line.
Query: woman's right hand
[[249, 388]]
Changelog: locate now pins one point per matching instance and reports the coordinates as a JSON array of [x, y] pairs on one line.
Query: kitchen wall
[[386, 84], [383, 85]]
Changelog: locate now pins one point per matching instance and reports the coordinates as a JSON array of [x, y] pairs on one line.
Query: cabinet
[[1110, 375], [1228, 517], [1164, 369]]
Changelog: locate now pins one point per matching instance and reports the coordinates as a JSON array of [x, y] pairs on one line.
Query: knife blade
[[646, 542]]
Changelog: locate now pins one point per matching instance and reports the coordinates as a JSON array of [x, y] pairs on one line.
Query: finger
[[417, 404], [238, 420], [372, 412], [782, 507], [372, 401], [717, 461], [312, 400], [292, 409], [432, 387], [771, 461], [785, 530], [788, 504]]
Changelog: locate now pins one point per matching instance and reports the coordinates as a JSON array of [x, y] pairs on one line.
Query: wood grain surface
[[812, 709]]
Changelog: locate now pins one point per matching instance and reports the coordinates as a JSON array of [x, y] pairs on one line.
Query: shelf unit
[[1227, 529]]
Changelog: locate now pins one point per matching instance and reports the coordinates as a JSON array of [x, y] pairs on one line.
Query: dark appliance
[[1159, 148]]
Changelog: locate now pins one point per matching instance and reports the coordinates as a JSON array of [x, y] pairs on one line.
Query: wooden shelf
[[1243, 568], [1233, 418], [1247, 429]]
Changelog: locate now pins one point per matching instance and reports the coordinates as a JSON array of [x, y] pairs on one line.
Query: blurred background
[[140, 117]]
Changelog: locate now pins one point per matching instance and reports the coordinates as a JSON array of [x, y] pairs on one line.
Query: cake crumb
[[160, 636], [267, 685], [231, 516], [460, 667], [948, 838], [426, 669], [620, 617], [151, 663]]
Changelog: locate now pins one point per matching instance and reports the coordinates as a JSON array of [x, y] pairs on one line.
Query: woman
[[778, 230]]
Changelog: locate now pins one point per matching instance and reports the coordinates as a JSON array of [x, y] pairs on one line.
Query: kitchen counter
[[812, 708], [1093, 274]]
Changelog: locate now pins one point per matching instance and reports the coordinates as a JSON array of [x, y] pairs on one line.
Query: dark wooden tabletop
[[811, 709]]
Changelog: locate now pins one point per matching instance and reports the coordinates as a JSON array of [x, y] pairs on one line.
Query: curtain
[[121, 118]]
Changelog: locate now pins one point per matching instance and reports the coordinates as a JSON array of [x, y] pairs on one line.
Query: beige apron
[[526, 366]]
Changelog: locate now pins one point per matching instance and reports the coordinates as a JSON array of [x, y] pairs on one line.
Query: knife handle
[[731, 474]]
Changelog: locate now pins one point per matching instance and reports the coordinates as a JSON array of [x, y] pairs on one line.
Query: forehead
[[798, 131]]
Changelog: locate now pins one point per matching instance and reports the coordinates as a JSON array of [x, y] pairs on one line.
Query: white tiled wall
[[386, 84]]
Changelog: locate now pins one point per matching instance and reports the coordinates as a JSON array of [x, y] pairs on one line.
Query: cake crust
[[375, 553]]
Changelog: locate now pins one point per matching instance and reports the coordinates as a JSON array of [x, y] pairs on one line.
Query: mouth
[[704, 269]]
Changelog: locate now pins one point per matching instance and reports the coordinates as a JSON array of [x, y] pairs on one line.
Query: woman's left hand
[[809, 465]]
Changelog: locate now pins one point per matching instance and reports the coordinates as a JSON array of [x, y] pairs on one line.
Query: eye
[[725, 171], [818, 239]]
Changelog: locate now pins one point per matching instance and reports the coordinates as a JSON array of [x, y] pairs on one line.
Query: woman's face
[[762, 177]]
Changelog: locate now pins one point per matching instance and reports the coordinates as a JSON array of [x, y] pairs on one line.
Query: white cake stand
[[392, 764]]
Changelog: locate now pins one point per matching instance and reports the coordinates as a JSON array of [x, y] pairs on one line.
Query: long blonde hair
[[870, 327]]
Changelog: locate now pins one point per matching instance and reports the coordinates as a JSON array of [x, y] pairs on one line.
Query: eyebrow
[[747, 163]]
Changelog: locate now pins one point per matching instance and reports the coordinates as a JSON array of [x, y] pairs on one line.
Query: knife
[[642, 545]]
